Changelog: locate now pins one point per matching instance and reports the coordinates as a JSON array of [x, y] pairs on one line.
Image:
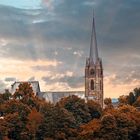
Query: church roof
[[34, 84], [57, 95]]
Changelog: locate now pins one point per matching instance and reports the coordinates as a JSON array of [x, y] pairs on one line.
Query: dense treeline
[[26, 117], [132, 99]]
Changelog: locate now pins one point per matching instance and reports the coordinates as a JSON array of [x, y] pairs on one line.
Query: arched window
[[100, 85], [101, 72], [92, 72], [92, 85]]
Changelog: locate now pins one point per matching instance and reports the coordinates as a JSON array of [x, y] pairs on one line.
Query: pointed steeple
[[93, 44], [94, 71]]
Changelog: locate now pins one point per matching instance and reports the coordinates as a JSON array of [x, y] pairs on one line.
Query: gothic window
[[92, 71], [101, 72], [92, 85], [100, 85]]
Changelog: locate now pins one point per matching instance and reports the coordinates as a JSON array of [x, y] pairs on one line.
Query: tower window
[[101, 72], [92, 85], [100, 85], [92, 72]]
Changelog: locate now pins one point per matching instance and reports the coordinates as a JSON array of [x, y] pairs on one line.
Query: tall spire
[[93, 44]]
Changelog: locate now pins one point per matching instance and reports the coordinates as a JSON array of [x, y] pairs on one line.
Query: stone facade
[[94, 72]]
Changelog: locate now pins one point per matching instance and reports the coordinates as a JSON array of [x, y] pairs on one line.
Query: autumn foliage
[[26, 117]]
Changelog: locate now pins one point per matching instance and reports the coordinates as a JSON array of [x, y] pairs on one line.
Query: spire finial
[[93, 44]]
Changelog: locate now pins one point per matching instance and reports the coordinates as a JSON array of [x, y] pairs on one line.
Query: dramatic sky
[[48, 41]]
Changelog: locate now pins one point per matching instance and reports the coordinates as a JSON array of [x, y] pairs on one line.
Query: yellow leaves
[[90, 127], [131, 113], [13, 106], [35, 118], [123, 100], [127, 109], [24, 90], [107, 101]]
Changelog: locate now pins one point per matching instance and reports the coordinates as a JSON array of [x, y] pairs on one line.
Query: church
[[94, 72], [93, 78]]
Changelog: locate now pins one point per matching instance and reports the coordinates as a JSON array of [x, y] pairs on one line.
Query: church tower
[[94, 72]]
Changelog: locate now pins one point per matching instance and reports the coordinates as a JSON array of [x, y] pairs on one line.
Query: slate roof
[[34, 84]]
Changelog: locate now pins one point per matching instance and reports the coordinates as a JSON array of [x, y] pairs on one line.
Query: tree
[[1, 99], [89, 130], [126, 125], [26, 117], [131, 98], [3, 129], [77, 107], [6, 95], [95, 109], [108, 103], [136, 93], [58, 122], [108, 127], [123, 100], [25, 94], [35, 119], [137, 102], [14, 125], [16, 106], [24, 90]]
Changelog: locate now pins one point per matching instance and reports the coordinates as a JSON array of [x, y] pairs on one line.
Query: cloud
[[50, 67], [31, 78], [59, 34], [3, 86], [115, 89], [10, 79], [69, 78]]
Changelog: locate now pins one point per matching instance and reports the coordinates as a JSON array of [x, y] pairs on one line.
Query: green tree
[[58, 123], [3, 128], [24, 91], [6, 95], [25, 94], [15, 126], [137, 102], [126, 125], [95, 109], [1, 99], [131, 98], [16, 106], [108, 103], [77, 107], [123, 100], [108, 127], [136, 93]]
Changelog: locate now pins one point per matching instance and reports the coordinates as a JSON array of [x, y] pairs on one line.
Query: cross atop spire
[[93, 44]]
